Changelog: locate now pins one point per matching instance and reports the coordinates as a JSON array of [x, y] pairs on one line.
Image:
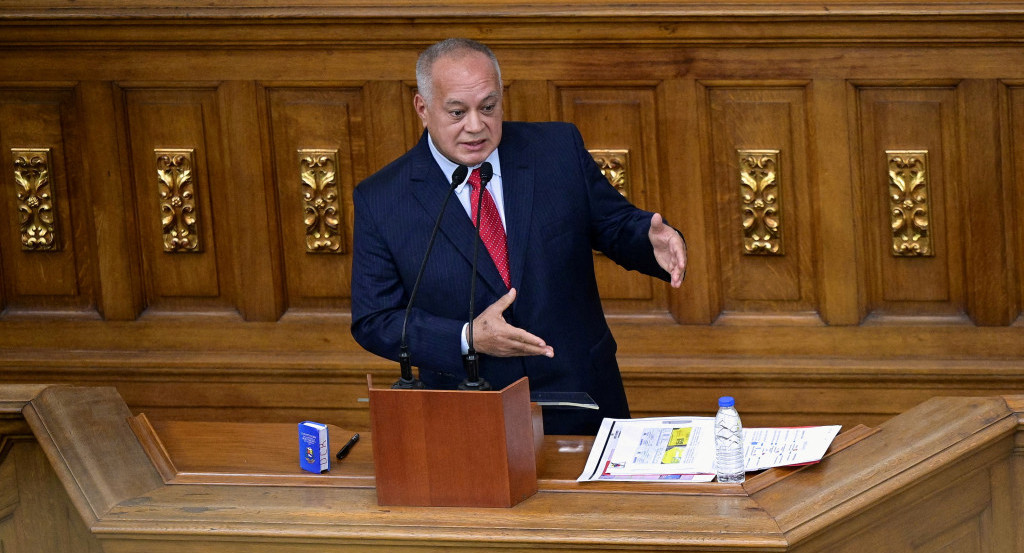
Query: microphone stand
[[407, 380], [470, 360]]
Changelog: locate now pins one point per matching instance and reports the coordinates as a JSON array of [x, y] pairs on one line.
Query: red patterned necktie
[[491, 230]]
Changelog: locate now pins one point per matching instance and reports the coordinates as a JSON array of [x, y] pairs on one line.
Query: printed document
[[683, 449]]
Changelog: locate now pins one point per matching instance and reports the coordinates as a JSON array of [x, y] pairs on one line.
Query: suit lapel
[[429, 187], [517, 180]]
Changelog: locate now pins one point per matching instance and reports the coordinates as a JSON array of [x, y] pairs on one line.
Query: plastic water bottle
[[728, 442]]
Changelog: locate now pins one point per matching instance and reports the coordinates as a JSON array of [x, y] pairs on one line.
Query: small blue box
[[314, 447]]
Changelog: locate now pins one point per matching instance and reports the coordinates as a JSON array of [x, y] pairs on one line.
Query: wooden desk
[[264, 454], [945, 476]]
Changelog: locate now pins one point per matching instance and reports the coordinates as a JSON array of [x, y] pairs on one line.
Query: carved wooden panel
[[909, 214], [318, 143], [176, 185], [615, 167], [44, 248], [178, 175], [621, 119], [910, 119], [321, 201], [761, 201], [36, 204], [758, 138]]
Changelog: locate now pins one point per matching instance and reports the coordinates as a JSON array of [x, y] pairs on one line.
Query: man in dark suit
[[545, 321]]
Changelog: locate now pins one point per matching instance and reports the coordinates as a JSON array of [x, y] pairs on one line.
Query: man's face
[[464, 113]]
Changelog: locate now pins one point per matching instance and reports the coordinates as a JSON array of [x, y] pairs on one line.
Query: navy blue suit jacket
[[558, 207]]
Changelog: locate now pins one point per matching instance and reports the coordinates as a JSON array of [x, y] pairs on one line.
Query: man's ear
[[419, 103]]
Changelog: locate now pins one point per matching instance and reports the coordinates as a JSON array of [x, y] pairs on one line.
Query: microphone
[[407, 381], [471, 361]]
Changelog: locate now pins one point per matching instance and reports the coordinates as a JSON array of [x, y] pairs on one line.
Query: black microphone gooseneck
[[407, 381], [471, 361]]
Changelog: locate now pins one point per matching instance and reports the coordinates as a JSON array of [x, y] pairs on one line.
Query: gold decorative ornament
[[178, 215], [320, 208], [759, 197], [908, 203], [36, 203], [614, 166]]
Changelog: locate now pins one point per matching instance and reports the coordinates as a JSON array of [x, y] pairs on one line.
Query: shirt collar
[[448, 166]]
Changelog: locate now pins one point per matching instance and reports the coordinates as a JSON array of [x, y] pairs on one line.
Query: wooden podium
[[454, 448], [946, 476]]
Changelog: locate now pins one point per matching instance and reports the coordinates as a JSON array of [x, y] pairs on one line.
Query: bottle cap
[[726, 401]]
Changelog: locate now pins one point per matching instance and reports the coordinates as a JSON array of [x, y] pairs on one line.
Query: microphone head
[[459, 175], [486, 172]]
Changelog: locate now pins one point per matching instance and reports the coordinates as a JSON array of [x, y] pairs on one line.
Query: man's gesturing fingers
[[493, 335]]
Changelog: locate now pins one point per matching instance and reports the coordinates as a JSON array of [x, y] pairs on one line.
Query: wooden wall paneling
[[1002, 527], [682, 197], [328, 395], [43, 520], [1014, 145], [1017, 482], [900, 520], [712, 250], [780, 389], [911, 118], [843, 371], [37, 122], [8, 497], [763, 117], [9, 232], [528, 100], [35, 512], [621, 118], [182, 117], [3, 279], [117, 248], [413, 123], [911, 526], [251, 203], [840, 282], [1013, 479], [991, 297], [389, 111], [328, 119]]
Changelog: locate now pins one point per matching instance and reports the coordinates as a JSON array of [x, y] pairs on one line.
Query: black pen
[[348, 446]]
